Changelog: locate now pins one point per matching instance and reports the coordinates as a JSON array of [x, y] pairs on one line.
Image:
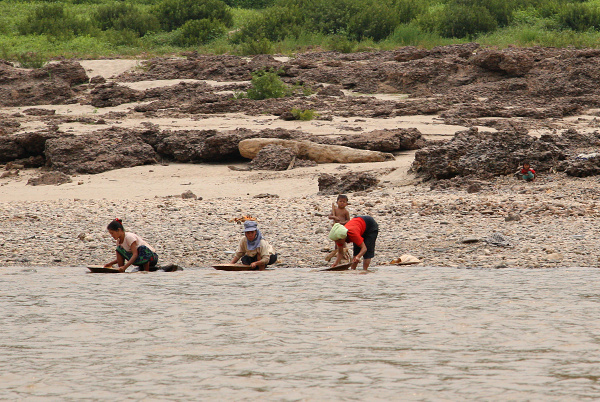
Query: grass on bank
[[529, 27]]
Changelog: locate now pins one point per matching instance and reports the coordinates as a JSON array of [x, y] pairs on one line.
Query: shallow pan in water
[[100, 269], [341, 267]]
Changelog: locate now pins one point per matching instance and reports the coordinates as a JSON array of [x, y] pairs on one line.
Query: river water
[[295, 334]]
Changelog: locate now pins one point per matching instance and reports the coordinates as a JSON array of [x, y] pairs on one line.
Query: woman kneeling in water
[[254, 250], [132, 248]]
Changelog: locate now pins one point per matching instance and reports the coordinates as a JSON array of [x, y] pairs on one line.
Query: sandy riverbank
[[556, 226], [65, 225]]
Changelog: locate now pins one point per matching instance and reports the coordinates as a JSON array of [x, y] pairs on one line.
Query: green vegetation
[[267, 84], [33, 31], [307, 114]]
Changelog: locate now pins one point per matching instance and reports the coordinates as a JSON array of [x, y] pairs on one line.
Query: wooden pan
[[234, 267], [99, 269], [341, 267]]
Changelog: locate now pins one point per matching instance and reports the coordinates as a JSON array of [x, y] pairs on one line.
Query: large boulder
[[484, 154], [49, 179], [346, 183], [53, 84], [201, 145], [68, 70], [273, 157], [320, 153], [511, 61], [206, 145], [583, 167], [113, 94], [401, 139], [8, 125], [98, 152], [24, 145]]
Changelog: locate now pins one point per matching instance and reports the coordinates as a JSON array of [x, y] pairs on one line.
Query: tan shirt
[[264, 248], [130, 238]]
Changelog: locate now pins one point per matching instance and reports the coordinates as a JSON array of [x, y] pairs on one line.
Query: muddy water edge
[[418, 333]]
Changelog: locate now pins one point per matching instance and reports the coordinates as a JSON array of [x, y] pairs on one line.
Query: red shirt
[[356, 227], [523, 171]]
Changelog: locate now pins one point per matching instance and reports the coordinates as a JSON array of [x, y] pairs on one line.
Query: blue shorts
[[528, 176]]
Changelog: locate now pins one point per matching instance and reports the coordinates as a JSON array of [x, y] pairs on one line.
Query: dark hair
[[526, 163], [342, 197], [115, 225]]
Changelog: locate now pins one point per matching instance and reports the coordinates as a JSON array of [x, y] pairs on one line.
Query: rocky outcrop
[[55, 83], [26, 145], [98, 152], [200, 145], [459, 80], [8, 125], [49, 179], [583, 167], [487, 154], [511, 61], [319, 153], [401, 139], [68, 70], [346, 183], [273, 157], [113, 94]]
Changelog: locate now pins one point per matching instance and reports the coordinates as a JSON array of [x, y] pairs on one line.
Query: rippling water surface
[[294, 334]]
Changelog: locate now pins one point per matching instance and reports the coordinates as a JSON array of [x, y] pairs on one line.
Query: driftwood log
[[319, 153]]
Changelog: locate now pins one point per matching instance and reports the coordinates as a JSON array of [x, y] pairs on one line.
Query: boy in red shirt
[[527, 172]]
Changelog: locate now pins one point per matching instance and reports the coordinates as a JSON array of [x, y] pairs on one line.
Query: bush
[[198, 32], [31, 59], [458, 21], [307, 114], [120, 16], [267, 84], [52, 19], [274, 24], [375, 21], [249, 3], [407, 35], [579, 17], [329, 16], [124, 37], [408, 10], [173, 14], [340, 43], [500, 10], [257, 46]]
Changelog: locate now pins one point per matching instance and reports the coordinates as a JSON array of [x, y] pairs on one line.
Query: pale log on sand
[[319, 153]]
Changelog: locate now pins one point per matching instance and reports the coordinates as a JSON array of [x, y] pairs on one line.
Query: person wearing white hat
[[253, 249]]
